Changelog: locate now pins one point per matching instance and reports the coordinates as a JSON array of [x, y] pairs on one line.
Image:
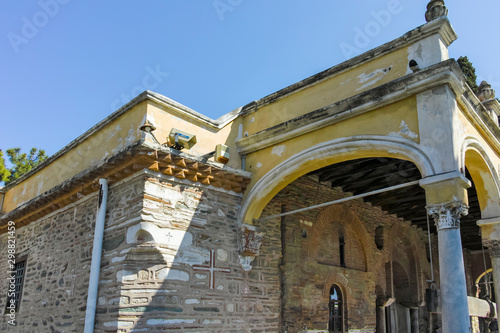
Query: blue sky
[[67, 64]]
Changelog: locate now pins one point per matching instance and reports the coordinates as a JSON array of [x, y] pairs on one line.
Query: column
[[454, 306], [380, 318], [414, 313], [490, 233], [494, 249]]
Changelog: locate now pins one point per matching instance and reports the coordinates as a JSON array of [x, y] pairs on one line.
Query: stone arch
[[134, 232], [143, 236], [401, 239], [402, 283], [328, 153], [352, 225], [482, 171], [341, 281]]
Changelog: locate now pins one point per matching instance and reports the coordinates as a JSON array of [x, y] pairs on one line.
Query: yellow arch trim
[[481, 169], [328, 153]]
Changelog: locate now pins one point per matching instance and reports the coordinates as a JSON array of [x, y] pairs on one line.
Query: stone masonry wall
[[58, 250], [176, 269], [170, 262], [311, 261]]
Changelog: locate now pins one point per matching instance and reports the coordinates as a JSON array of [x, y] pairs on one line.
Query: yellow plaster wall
[[165, 118], [482, 175], [470, 130], [109, 140], [384, 121], [339, 87]]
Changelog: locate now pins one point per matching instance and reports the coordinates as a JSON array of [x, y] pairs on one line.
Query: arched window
[[336, 324]]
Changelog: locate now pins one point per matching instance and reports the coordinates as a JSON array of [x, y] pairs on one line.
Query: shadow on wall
[[174, 267]]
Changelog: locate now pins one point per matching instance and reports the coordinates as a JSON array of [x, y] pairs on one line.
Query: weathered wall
[[154, 276], [59, 249], [85, 152], [312, 263]]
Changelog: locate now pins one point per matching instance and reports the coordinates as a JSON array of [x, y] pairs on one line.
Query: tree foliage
[[21, 163], [469, 72], [4, 172]]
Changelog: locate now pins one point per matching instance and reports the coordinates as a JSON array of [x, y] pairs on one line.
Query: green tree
[[4, 172], [469, 72], [22, 162]]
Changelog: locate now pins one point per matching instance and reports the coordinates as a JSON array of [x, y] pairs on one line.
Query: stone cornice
[[477, 114], [489, 221], [441, 26], [145, 96], [447, 72], [170, 162]]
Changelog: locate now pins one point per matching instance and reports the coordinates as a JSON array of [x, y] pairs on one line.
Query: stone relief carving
[[250, 241], [447, 215]]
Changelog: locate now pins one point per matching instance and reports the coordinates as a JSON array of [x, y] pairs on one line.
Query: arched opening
[[327, 154], [335, 245], [402, 290], [142, 236], [481, 172], [336, 310], [484, 286]]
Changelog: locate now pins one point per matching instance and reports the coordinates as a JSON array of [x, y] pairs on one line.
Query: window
[[16, 286], [336, 311], [342, 251]]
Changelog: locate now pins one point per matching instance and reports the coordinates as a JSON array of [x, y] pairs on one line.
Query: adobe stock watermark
[[224, 6], [153, 78], [31, 25], [10, 308], [363, 36]]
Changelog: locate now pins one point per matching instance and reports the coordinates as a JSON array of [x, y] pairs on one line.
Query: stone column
[[415, 325], [494, 249], [454, 306], [380, 319], [490, 233]]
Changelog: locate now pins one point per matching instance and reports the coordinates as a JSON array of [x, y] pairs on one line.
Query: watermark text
[[10, 311]]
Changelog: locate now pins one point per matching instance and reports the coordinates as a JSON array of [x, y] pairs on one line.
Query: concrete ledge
[[447, 72], [446, 177], [480, 308], [441, 26], [490, 221]]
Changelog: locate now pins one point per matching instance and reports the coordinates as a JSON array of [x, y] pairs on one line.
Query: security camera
[[180, 139]]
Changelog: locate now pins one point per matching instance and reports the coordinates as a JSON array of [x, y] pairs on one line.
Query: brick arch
[[341, 281], [401, 236], [346, 219]]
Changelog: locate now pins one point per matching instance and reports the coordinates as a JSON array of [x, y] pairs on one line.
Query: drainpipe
[[95, 267], [2, 193]]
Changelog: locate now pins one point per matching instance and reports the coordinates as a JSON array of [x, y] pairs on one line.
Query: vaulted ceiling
[[370, 174]]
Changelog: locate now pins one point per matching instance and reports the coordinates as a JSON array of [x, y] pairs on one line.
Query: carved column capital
[[493, 247], [250, 241], [447, 215]]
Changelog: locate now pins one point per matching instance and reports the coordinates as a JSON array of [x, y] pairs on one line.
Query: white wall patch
[[278, 150]]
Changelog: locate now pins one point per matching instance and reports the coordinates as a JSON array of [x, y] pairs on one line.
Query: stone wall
[[311, 263], [158, 267], [170, 262], [58, 250]]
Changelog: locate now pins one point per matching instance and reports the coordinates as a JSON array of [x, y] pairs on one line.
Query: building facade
[[360, 199]]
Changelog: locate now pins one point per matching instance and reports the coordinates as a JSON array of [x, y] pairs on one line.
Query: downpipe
[[95, 266]]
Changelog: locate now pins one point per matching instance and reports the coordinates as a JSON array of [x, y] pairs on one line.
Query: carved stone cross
[[212, 269]]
